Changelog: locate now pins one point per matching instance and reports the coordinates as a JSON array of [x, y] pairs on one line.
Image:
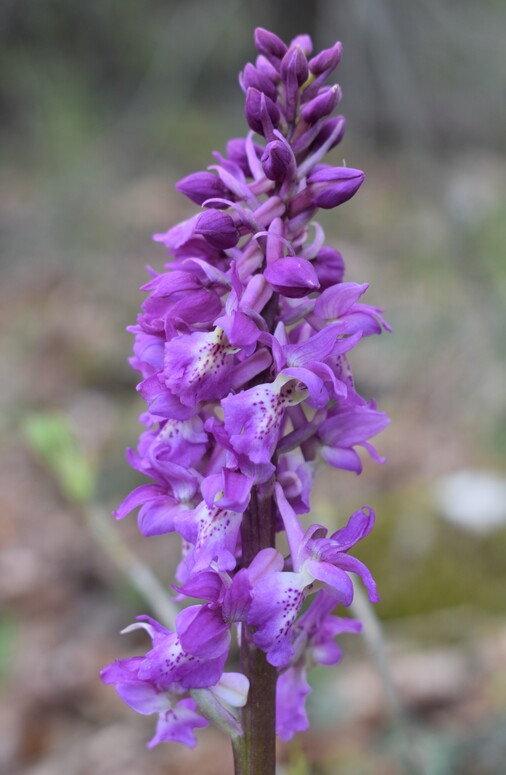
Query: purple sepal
[[178, 235], [162, 402], [292, 276], [347, 428]]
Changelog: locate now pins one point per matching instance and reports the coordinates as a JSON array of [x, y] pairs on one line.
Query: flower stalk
[[255, 751]]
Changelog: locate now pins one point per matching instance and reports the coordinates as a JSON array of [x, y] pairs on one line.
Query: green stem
[[255, 751]]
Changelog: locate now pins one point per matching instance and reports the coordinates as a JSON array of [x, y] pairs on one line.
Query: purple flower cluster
[[242, 344]]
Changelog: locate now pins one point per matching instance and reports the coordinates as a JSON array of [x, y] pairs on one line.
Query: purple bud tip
[[268, 44], [276, 160], [294, 63], [304, 42], [266, 68], [260, 109], [218, 229], [201, 186], [327, 60], [321, 105], [332, 186]]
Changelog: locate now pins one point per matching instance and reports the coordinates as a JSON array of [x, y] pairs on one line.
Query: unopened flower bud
[[201, 186], [218, 229], [258, 80], [294, 64], [321, 105], [266, 68], [327, 60], [331, 186], [278, 160], [304, 42], [261, 113], [268, 44]]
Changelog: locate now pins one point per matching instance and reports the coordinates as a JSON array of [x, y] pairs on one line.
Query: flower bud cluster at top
[[242, 345]]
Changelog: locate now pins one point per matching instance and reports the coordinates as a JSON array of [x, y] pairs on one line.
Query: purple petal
[[292, 525], [315, 348], [143, 697], [144, 494], [358, 527], [317, 391], [353, 565], [168, 664], [237, 598], [202, 631], [206, 585], [345, 459], [338, 300], [334, 577]]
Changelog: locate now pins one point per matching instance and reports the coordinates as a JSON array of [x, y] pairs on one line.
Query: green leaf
[[52, 439]]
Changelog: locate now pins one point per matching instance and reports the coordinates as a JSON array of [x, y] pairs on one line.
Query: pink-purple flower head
[[243, 345]]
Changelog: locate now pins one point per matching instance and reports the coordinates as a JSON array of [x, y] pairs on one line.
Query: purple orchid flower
[[313, 643], [316, 560], [243, 345]]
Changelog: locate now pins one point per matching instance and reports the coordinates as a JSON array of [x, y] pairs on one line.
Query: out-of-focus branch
[[376, 645], [138, 574]]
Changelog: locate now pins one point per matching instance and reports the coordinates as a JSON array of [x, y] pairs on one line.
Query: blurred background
[[105, 104]]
